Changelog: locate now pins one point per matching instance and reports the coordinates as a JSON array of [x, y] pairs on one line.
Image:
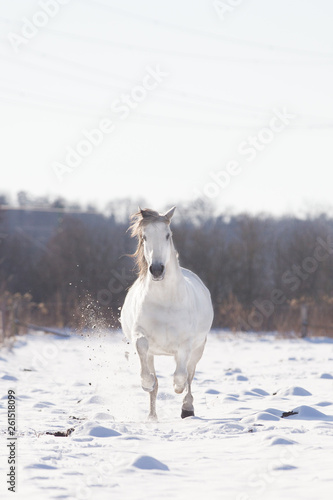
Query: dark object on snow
[[61, 433], [289, 413]]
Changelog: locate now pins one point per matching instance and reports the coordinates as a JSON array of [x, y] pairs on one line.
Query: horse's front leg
[[148, 378], [180, 376]]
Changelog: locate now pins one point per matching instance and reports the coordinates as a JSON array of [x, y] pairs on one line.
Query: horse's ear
[[144, 212], [168, 215]]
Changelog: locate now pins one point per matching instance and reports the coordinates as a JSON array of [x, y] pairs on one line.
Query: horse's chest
[[165, 327]]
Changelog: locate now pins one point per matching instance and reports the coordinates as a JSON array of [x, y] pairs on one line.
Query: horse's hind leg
[[148, 377], [187, 407], [153, 394]]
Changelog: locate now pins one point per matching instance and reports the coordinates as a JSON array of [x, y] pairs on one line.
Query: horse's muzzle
[[157, 271]]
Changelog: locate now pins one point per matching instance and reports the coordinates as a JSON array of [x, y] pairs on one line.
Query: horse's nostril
[[156, 270]]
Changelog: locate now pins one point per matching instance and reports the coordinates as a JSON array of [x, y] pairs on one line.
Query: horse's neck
[[173, 271]]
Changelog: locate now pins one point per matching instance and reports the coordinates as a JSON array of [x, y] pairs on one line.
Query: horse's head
[[155, 242], [156, 236]]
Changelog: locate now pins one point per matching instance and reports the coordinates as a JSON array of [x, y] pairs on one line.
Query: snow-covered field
[[237, 447]]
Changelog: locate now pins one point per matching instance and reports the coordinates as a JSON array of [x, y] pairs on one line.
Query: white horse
[[168, 310]]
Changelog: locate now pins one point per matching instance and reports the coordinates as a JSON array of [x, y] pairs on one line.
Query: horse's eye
[[144, 238], [168, 236]]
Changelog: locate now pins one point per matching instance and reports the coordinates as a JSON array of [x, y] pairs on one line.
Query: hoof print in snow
[[293, 391], [9, 377], [100, 431], [61, 433], [281, 441], [212, 391], [147, 462], [288, 413]]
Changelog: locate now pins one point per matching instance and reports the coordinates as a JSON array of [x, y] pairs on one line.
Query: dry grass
[[283, 318]]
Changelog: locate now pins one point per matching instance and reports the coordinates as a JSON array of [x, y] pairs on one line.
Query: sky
[[162, 101]]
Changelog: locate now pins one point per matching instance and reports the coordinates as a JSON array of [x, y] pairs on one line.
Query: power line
[[200, 100], [187, 55], [215, 36], [20, 97], [162, 120], [30, 64], [165, 52], [172, 119]]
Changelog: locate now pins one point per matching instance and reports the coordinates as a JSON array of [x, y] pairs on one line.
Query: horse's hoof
[[152, 417], [148, 389], [187, 413], [179, 383], [148, 385]]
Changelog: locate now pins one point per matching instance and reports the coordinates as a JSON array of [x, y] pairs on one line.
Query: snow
[[238, 446]]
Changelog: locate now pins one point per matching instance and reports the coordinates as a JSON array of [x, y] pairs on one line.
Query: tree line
[[259, 269]]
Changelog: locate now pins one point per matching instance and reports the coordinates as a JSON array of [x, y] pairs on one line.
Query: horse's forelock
[[144, 217]]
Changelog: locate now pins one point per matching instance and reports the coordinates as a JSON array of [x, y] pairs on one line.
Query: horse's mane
[[140, 220]]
